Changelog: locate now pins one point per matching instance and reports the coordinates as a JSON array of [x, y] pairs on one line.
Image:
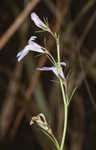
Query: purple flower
[[39, 23], [32, 46], [57, 71]]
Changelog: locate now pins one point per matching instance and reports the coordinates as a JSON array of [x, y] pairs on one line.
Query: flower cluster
[[33, 46]]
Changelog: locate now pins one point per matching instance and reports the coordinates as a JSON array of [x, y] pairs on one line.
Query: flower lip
[[22, 53]]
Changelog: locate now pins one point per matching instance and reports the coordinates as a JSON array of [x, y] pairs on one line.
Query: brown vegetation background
[[24, 92]]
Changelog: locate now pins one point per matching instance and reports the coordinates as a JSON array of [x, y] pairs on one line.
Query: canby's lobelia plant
[[57, 70]]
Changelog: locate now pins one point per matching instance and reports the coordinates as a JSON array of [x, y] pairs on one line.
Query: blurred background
[[25, 92]]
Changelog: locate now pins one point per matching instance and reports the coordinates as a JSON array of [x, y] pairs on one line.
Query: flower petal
[[36, 47], [45, 68], [55, 71], [32, 38], [62, 74], [33, 47], [63, 64], [23, 53], [38, 22]]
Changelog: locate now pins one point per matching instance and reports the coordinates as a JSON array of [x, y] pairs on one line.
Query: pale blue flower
[[32, 46], [39, 23], [55, 70]]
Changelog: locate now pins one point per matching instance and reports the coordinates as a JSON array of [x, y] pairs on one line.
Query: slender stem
[[51, 58], [64, 98], [63, 93], [52, 138], [65, 126], [58, 50], [65, 115]]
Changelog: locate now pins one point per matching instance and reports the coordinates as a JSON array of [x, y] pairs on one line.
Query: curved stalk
[[65, 115], [52, 138]]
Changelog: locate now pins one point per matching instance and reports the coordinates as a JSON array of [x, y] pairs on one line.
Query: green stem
[[64, 98], [65, 115], [58, 50], [65, 126], [52, 138]]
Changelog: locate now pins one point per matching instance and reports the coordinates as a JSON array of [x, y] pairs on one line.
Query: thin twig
[[16, 24]]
